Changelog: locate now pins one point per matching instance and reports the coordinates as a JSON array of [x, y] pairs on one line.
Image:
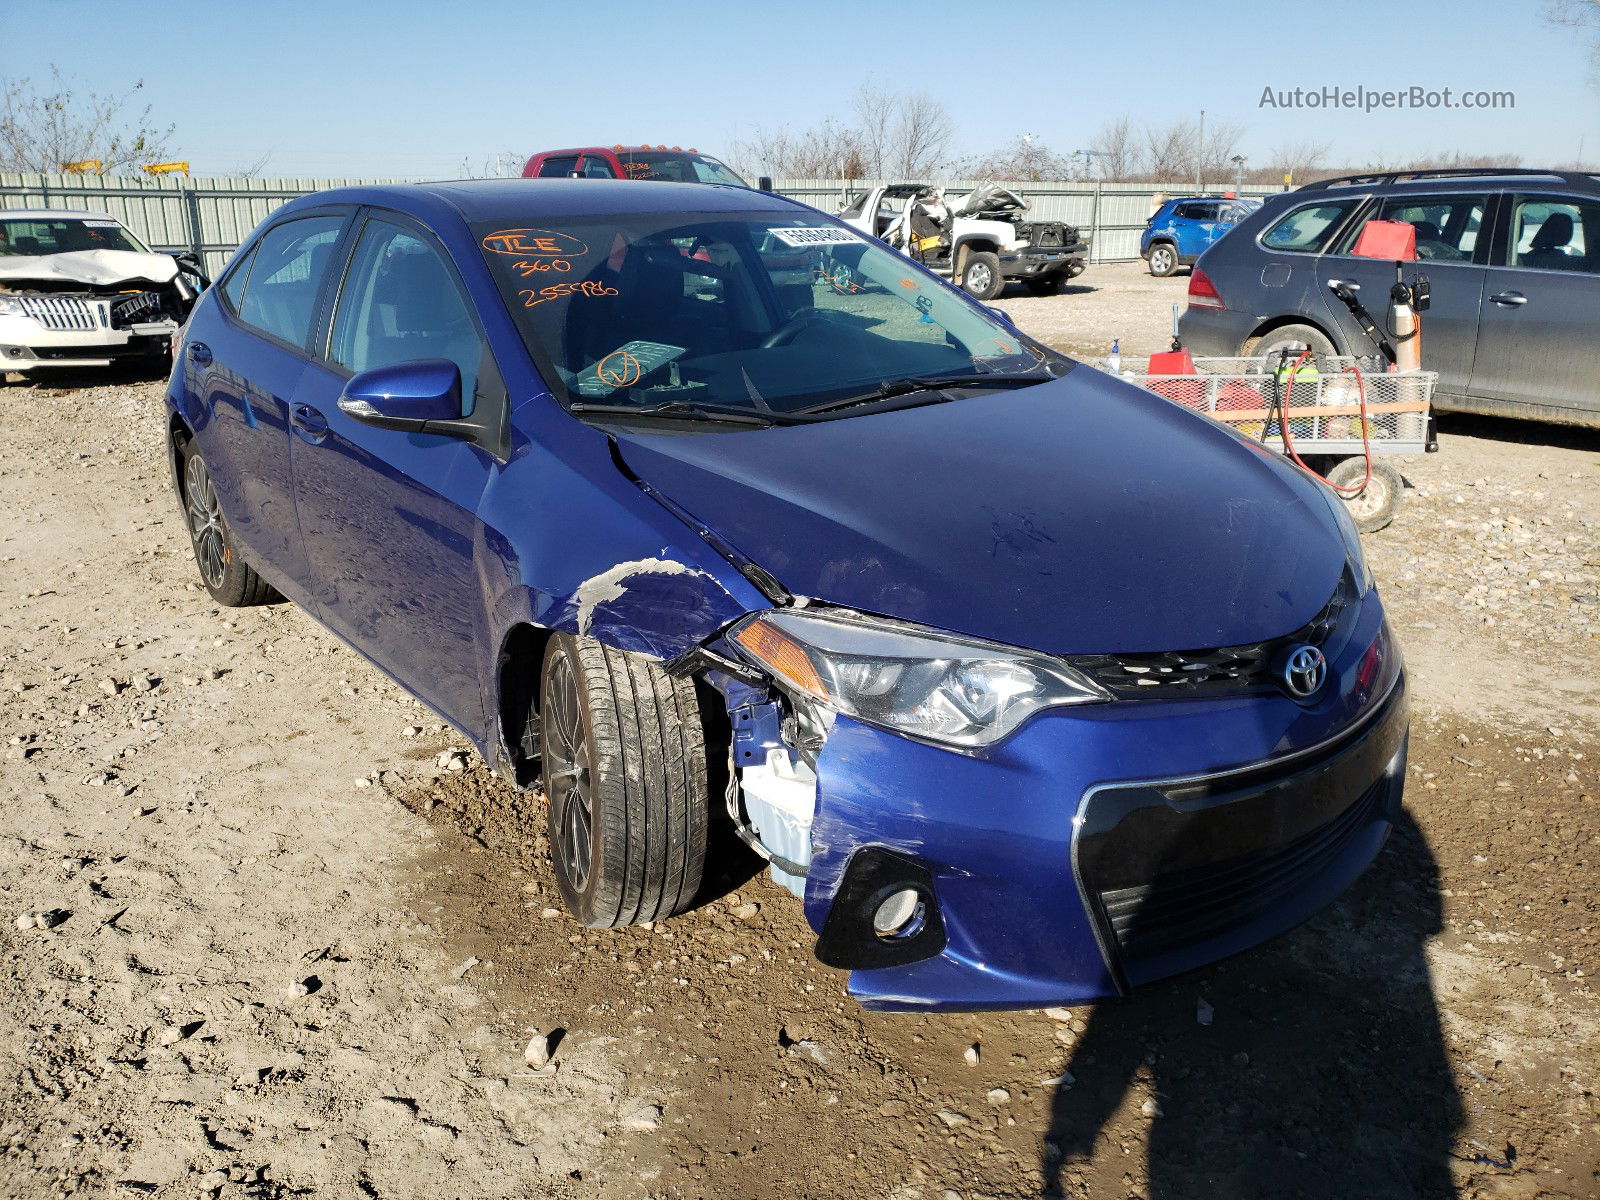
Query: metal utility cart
[[1339, 415]]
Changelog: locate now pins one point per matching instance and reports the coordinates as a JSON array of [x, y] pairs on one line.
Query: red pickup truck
[[671, 163]]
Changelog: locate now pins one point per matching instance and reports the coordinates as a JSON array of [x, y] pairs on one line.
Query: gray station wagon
[[1513, 257]]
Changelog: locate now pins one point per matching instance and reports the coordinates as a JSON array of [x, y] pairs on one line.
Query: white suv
[[78, 290]]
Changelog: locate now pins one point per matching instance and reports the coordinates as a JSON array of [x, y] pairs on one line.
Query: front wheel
[[981, 276], [1375, 505], [231, 580], [1163, 259], [624, 765]]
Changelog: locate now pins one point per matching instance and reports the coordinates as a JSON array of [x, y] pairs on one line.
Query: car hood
[[1083, 515], [95, 267]]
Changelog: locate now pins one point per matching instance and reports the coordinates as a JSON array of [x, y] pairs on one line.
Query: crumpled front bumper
[[1104, 846], [25, 345], [1032, 261]]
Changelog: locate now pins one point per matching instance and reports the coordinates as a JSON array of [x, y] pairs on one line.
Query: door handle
[[200, 352], [310, 423], [1508, 299]]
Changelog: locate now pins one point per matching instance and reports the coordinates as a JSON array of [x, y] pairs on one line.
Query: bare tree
[[1294, 160], [1167, 153], [1026, 159], [830, 151], [920, 145], [905, 135], [1118, 148], [43, 130], [874, 111], [1582, 15]]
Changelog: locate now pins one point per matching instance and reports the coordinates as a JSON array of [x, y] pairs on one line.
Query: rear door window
[[1551, 233], [1448, 227], [288, 266], [1307, 229]]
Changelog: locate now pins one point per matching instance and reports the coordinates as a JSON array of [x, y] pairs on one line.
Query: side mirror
[[423, 396], [764, 183]]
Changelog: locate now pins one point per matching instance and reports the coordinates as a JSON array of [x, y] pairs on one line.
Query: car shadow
[[1311, 1066], [1517, 431]]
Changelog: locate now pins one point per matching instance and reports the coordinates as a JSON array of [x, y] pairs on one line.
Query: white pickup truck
[[980, 239]]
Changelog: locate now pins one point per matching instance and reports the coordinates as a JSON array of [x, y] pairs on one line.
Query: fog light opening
[[900, 914]]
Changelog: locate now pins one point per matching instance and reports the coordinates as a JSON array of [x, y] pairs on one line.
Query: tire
[[1075, 268], [1375, 506], [232, 582], [1273, 340], [1047, 285], [622, 747], [1163, 259], [981, 276]]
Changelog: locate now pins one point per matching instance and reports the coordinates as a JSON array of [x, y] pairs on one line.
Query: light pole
[[1238, 171], [1200, 157]]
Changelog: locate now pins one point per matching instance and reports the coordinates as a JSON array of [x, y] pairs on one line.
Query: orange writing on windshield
[[535, 243], [589, 287], [619, 369]]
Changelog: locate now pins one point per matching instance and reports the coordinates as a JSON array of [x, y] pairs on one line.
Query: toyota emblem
[[1304, 669]]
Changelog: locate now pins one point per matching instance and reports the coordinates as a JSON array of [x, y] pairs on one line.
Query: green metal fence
[[212, 215]]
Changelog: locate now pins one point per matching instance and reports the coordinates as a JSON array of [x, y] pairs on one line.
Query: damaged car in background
[[77, 289], [980, 239], [694, 508]]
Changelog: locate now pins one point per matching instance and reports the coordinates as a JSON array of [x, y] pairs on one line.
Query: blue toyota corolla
[[688, 504]]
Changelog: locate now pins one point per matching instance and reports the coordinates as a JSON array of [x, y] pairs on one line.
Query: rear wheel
[[981, 276], [1275, 340], [1374, 506], [623, 756], [231, 581], [1163, 259]]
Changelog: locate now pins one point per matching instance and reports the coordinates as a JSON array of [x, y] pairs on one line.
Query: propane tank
[[1405, 325]]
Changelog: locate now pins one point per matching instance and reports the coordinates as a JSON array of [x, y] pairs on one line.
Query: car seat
[[1551, 248]]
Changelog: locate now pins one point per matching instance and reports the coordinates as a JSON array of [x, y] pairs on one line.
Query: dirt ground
[[294, 944]]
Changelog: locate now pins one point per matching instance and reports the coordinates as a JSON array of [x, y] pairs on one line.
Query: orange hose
[[1366, 444]]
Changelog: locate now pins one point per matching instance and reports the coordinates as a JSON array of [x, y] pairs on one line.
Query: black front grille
[[1227, 670], [1187, 907]]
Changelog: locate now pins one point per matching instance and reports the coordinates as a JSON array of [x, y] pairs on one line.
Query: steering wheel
[[786, 333]]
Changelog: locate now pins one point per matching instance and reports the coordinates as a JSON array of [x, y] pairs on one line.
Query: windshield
[[676, 167], [49, 235], [761, 313]]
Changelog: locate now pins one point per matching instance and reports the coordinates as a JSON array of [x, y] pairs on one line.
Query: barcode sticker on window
[[815, 237]]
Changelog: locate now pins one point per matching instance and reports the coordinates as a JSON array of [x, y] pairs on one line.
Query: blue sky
[[354, 87]]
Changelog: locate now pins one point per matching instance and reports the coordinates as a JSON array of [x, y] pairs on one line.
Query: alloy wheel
[[205, 522], [979, 278], [569, 774]]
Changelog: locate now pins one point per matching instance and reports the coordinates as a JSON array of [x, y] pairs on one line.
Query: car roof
[[1455, 179], [522, 199], [645, 149], [69, 214]]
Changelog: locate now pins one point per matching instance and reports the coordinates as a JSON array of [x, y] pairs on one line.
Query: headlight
[[1359, 571], [907, 678], [10, 306]]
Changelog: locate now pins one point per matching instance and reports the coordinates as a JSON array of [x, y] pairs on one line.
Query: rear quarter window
[[1308, 228]]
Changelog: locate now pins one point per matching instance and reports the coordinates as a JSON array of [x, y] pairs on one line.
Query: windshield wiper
[[890, 388], [682, 409]]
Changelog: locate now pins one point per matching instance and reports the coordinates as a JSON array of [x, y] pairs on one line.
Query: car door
[[1541, 308], [247, 360], [1452, 250], [388, 518], [1196, 225]]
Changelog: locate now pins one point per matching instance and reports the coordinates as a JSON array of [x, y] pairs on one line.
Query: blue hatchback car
[[690, 506], [1181, 230]]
